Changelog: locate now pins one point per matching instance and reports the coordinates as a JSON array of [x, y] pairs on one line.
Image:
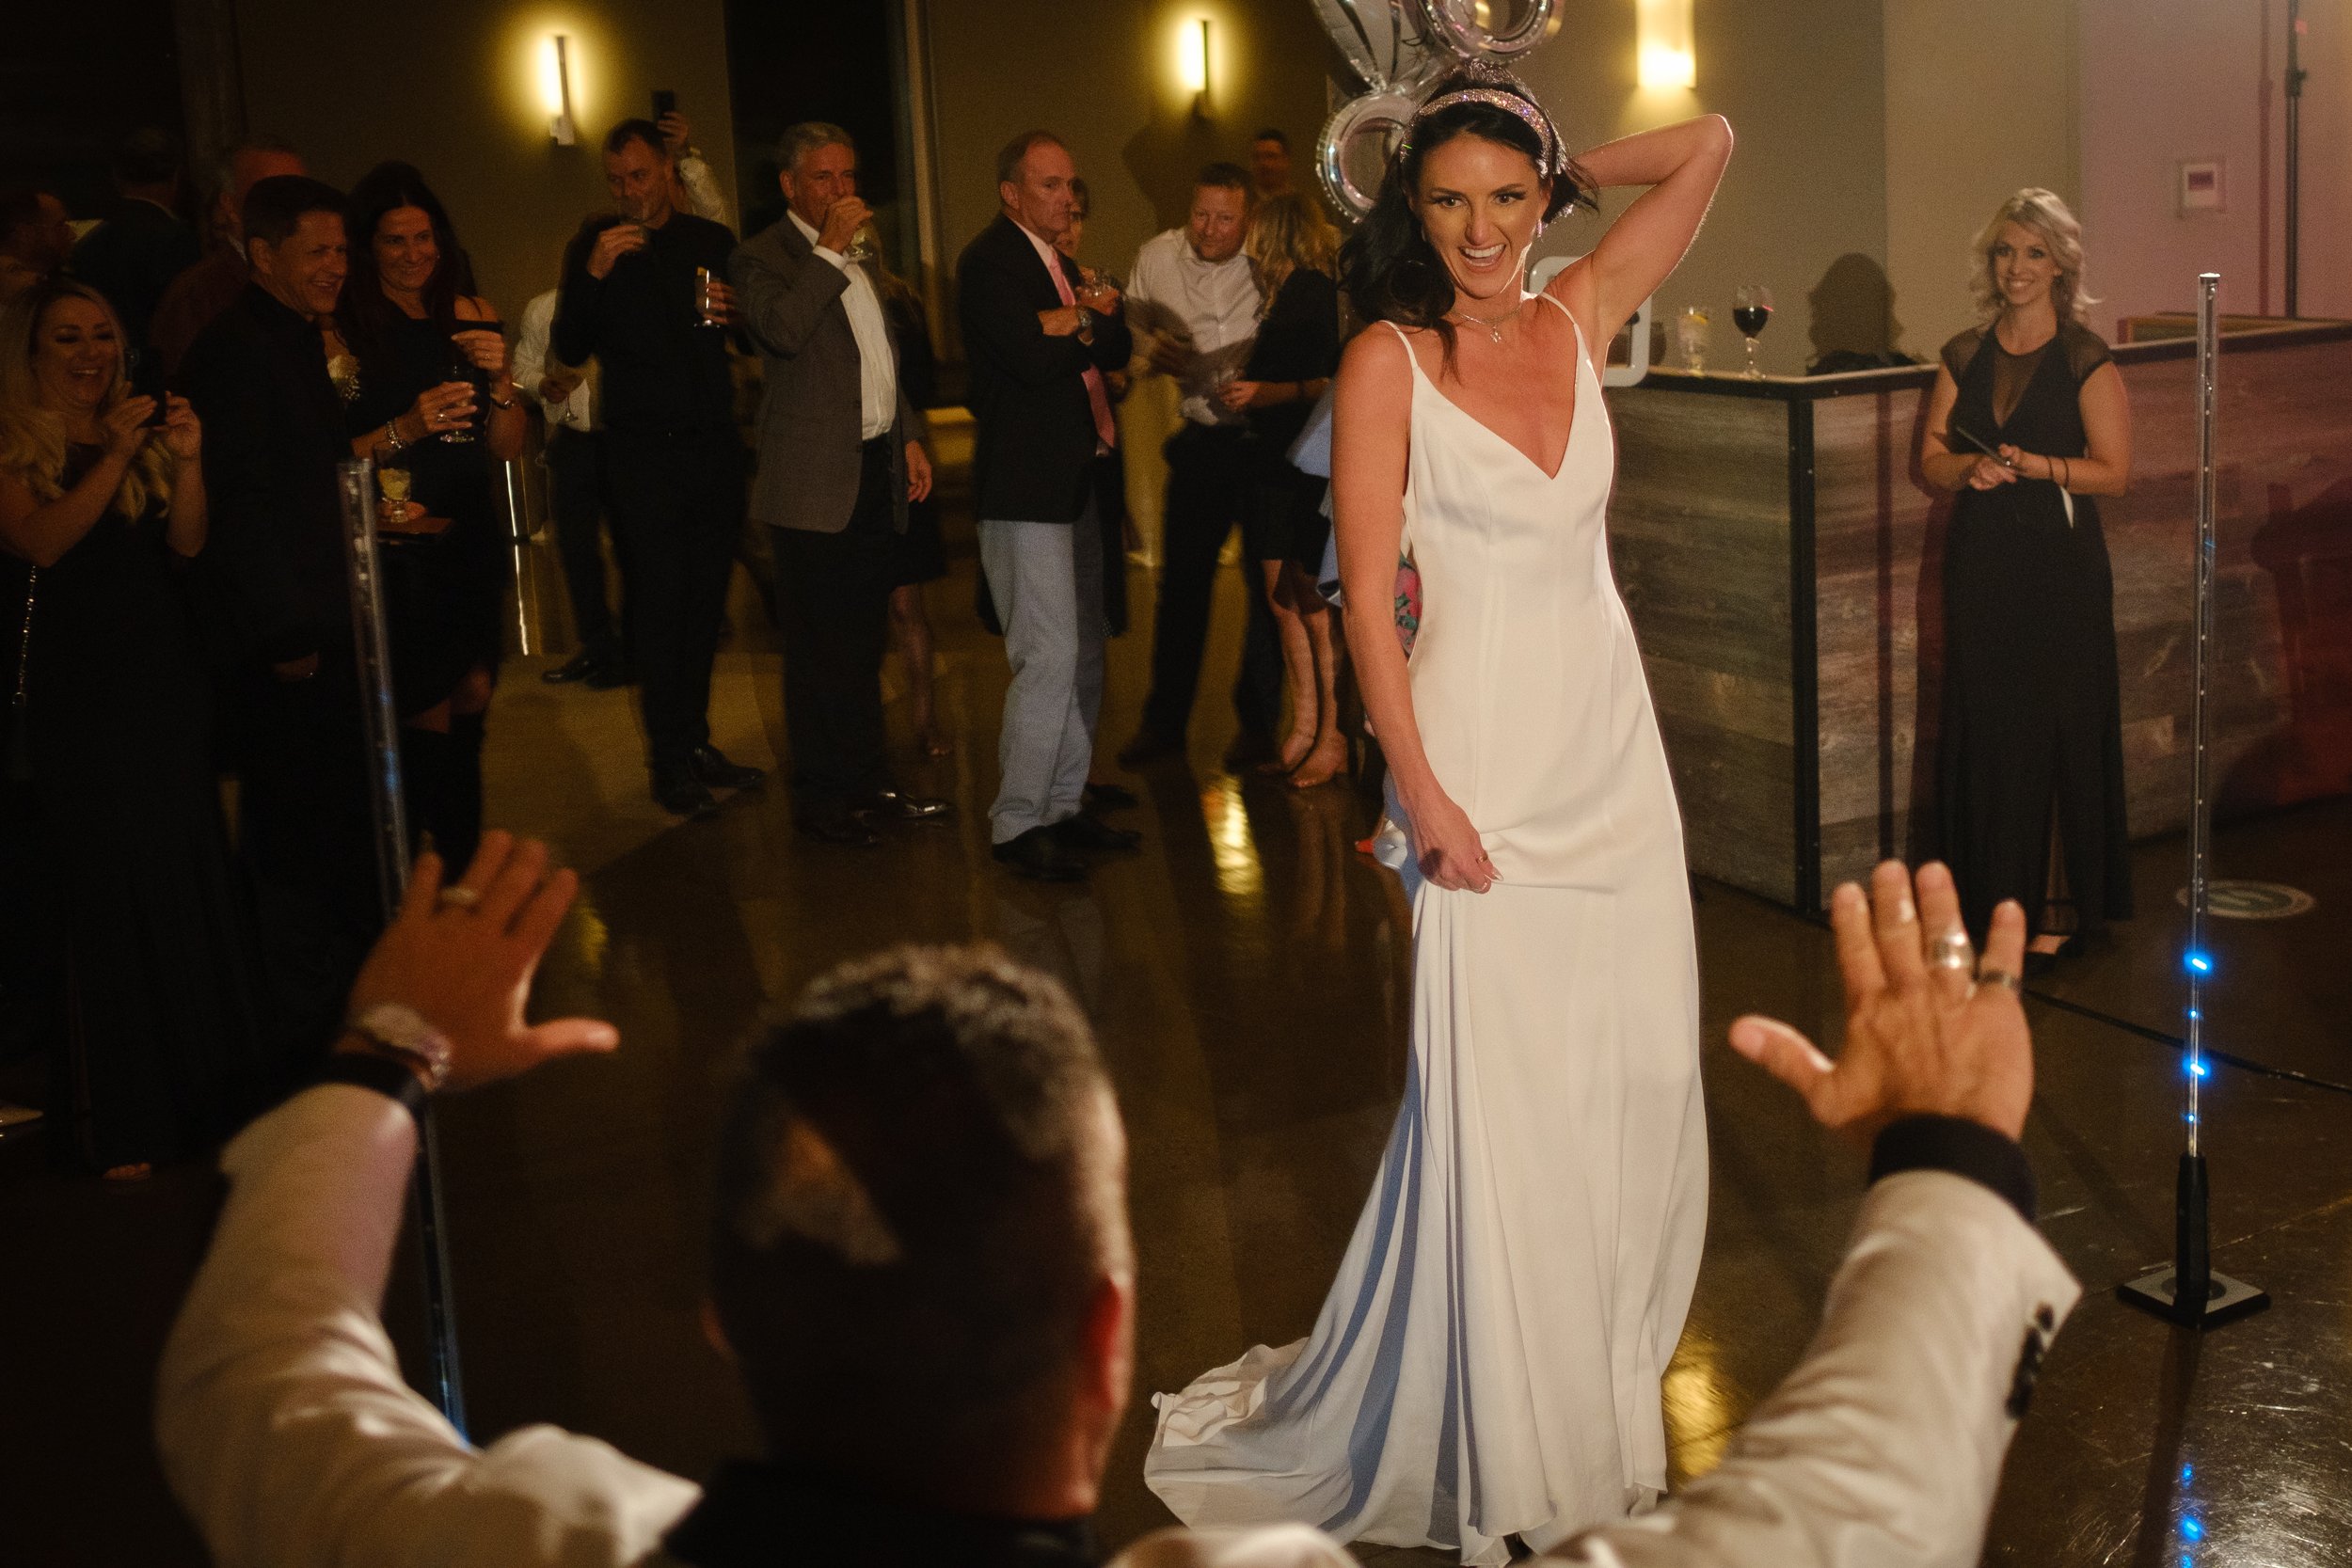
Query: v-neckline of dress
[[1576, 412]]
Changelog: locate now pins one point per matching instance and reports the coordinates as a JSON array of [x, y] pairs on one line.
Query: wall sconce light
[[1192, 64], [555, 89], [1668, 61]]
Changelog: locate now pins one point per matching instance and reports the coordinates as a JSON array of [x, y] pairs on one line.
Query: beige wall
[[1803, 206], [1103, 77], [2167, 81], [453, 87], [1968, 122]]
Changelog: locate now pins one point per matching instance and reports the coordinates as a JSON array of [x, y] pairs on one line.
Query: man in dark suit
[[276, 583], [674, 465], [144, 244], [840, 455], [1040, 339]]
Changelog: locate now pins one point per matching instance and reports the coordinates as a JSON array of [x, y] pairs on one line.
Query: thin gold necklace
[[1494, 327]]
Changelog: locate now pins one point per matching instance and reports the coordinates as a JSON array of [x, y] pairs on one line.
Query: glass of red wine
[[1751, 309]]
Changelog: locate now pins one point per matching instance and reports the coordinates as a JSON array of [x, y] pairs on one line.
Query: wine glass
[[1690, 335], [865, 245], [1751, 309]]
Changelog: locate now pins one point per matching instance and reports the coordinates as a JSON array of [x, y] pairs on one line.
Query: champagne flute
[[462, 368], [1750, 309], [711, 315]]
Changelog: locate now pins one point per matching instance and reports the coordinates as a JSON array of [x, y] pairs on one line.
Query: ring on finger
[[460, 897], [1951, 951], [1989, 976]]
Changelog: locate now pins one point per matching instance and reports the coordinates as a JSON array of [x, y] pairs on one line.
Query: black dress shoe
[[1108, 796], [1148, 747], [1041, 857], [582, 666], [891, 806], [611, 674], [710, 767], [1086, 832], [840, 827], [681, 794]]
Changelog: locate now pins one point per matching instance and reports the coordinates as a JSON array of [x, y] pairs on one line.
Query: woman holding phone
[[435, 395], [133, 933], [2028, 423]]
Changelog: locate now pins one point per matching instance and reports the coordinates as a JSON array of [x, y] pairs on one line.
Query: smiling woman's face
[[1481, 203], [75, 357]]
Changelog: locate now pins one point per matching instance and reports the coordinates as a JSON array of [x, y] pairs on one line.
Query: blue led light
[[2196, 1069], [2194, 1013], [2201, 962], [2188, 1472], [2192, 1118], [2192, 1528]]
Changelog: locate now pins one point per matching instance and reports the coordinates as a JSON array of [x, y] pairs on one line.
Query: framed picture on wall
[[2201, 189]]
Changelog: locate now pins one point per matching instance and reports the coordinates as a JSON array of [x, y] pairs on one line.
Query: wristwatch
[[403, 1033]]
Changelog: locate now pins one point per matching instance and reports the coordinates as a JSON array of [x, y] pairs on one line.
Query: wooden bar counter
[[1781, 558]]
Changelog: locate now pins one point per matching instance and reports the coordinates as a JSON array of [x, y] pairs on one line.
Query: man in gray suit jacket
[[840, 454]]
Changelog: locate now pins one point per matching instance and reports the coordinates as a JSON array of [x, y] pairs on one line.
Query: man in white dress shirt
[[1193, 306], [566, 397], [923, 1268], [840, 454]]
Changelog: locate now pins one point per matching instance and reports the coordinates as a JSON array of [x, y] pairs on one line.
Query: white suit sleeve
[[703, 196], [285, 1429], [1884, 1448]]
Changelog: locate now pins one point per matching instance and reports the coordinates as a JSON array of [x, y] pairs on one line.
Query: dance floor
[[1247, 975]]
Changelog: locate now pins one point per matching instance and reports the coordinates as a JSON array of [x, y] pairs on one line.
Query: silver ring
[[1991, 976], [459, 896], [1951, 951]]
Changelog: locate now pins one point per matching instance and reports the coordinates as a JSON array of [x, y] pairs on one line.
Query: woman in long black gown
[[113, 825], [433, 380], [2028, 422]]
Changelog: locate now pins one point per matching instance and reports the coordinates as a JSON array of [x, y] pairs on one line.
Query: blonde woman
[[2028, 423], [132, 933], [1295, 252]]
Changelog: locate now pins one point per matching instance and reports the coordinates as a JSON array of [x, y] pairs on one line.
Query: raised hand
[[1927, 1033], [613, 244], [184, 436], [843, 220], [487, 349], [464, 962], [126, 426]]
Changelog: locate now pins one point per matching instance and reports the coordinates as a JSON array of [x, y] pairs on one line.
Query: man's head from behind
[[294, 242], [921, 1257], [1219, 215]]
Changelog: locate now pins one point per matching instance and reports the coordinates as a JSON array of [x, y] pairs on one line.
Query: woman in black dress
[[113, 825], [1295, 252], [432, 382], [2028, 422]]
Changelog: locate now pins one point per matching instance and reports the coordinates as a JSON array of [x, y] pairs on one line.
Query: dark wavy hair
[[364, 315], [1391, 271]]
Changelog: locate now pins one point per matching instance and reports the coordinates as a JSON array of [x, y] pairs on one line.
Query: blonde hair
[[1287, 232], [2055, 224], [32, 434]]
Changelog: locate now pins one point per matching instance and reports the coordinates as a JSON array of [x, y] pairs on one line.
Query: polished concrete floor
[[1247, 977]]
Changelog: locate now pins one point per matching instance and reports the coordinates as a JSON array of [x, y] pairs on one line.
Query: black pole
[[2189, 1292], [356, 481], [2295, 151]]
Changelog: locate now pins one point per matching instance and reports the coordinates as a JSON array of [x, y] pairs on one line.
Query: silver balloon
[[1396, 49], [1353, 152], [1466, 26]]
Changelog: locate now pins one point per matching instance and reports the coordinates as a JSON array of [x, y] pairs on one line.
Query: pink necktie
[[1098, 395]]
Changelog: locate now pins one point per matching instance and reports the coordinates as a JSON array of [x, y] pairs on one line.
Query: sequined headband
[[1509, 103]]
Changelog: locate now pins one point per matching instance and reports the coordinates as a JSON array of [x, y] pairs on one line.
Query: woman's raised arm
[[1681, 165]]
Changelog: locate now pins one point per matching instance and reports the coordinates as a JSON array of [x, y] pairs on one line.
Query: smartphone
[[664, 102], [144, 370]]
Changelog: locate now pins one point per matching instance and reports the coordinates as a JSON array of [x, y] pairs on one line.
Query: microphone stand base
[[2225, 1299]]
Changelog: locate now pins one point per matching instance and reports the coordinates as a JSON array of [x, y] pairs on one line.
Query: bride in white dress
[[1488, 1364]]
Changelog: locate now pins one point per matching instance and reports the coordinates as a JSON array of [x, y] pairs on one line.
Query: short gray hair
[[798, 141]]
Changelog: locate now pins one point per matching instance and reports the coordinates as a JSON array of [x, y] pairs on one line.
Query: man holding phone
[[644, 295]]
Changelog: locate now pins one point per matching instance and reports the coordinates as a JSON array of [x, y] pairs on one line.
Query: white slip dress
[[1488, 1361]]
